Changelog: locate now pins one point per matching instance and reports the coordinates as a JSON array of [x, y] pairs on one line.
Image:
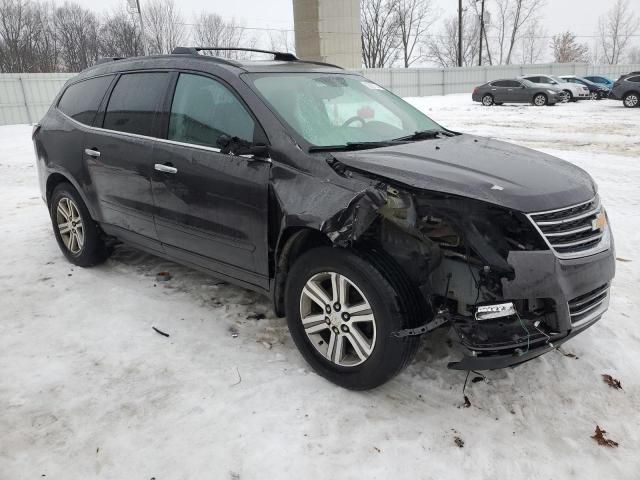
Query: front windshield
[[338, 109]]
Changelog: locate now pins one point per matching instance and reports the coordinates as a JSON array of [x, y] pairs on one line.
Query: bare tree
[[532, 44], [282, 42], [414, 19], [77, 35], [120, 35], [512, 17], [634, 55], [211, 30], [379, 33], [443, 48], [567, 50], [164, 26], [616, 29], [27, 40]]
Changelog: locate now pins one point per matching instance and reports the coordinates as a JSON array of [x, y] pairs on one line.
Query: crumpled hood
[[484, 169]]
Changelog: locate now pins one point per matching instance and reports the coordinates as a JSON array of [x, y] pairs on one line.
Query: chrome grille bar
[[573, 231]]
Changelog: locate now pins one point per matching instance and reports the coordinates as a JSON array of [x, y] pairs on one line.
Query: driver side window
[[204, 109]]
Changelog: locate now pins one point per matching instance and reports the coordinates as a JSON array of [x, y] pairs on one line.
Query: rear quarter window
[[634, 79], [81, 100]]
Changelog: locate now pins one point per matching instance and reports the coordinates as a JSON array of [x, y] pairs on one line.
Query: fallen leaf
[[477, 379], [624, 260], [467, 403], [602, 440], [377, 449], [612, 382], [459, 442]]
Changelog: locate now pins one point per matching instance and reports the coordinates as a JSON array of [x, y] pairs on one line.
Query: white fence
[[25, 97]]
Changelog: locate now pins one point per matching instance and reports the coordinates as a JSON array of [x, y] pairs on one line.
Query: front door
[[211, 207], [119, 155]]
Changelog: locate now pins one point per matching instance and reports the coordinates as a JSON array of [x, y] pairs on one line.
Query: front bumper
[[564, 284]]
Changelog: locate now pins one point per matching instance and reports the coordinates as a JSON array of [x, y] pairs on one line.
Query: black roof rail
[[102, 60], [280, 56]]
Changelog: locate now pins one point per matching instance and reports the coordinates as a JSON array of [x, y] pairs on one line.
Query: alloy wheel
[[70, 225], [631, 100], [487, 100], [593, 95], [338, 319], [540, 100]]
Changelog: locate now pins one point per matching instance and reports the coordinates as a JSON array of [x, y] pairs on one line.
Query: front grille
[[584, 306], [572, 231]]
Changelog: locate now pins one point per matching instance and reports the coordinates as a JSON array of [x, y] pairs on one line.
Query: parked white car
[[573, 91]]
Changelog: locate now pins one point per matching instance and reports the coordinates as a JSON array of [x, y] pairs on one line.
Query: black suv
[[367, 223], [627, 89]]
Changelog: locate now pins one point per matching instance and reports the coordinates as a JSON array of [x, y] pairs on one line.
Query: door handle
[[165, 168], [92, 153]]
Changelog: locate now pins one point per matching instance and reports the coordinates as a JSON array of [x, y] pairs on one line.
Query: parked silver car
[[573, 91], [498, 92]]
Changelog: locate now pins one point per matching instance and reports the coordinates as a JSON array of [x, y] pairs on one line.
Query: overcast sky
[[579, 16]]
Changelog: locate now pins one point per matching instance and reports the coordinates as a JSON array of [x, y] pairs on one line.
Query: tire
[[487, 100], [368, 282], [498, 103], [593, 96], [569, 96], [540, 100], [81, 242], [631, 100]]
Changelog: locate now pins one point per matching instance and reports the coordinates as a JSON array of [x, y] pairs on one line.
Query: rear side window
[[500, 83], [204, 109], [81, 100], [134, 101], [634, 79]]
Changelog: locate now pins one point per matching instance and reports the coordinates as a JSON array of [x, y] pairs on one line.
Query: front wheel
[[540, 100], [77, 234], [342, 311], [631, 100], [568, 96]]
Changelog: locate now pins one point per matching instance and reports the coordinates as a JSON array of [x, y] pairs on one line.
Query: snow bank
[[89, 390]]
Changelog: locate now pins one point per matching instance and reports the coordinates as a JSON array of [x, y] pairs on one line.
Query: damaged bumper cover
[[577, 289]]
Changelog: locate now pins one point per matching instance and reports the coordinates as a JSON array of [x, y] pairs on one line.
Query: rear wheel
[[341, 311], [487, 100], [631, 100], [540, 100], [77, 234]]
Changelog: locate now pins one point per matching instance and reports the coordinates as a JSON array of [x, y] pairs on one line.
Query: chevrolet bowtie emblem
[[599, 222]]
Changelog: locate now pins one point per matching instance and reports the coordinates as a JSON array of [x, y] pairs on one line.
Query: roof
[[207, 63]]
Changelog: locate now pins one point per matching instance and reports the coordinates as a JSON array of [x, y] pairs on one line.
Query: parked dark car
[[498, 92], [600, 80], [367, 223], [598, 92], [627, 89]]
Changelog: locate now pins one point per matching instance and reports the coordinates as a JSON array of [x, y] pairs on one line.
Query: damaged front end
[[483, 269]]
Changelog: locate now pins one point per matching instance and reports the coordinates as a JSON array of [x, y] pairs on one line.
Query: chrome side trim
[[156, 139]]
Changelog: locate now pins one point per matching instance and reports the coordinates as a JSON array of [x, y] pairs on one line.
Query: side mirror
[[223, 141]]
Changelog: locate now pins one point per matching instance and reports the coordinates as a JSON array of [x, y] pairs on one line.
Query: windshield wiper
[[352, 146], [421, 135]]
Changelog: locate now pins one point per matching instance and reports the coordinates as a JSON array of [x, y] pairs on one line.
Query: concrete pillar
[[328, 31]]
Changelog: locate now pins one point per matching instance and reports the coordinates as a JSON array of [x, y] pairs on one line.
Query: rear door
[[210, 206], [119, 155], [499, 91]]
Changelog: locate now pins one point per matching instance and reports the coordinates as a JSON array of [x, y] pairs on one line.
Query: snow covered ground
[[89, 390]]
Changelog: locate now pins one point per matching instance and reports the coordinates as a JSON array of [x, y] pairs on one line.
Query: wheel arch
[[293, 242], [56, 178]]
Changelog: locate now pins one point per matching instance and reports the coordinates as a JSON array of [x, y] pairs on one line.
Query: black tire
[[392, 304], [93, 250], [631, 100], [540, 100], [569, 96], [498, 103], [487, 100]]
